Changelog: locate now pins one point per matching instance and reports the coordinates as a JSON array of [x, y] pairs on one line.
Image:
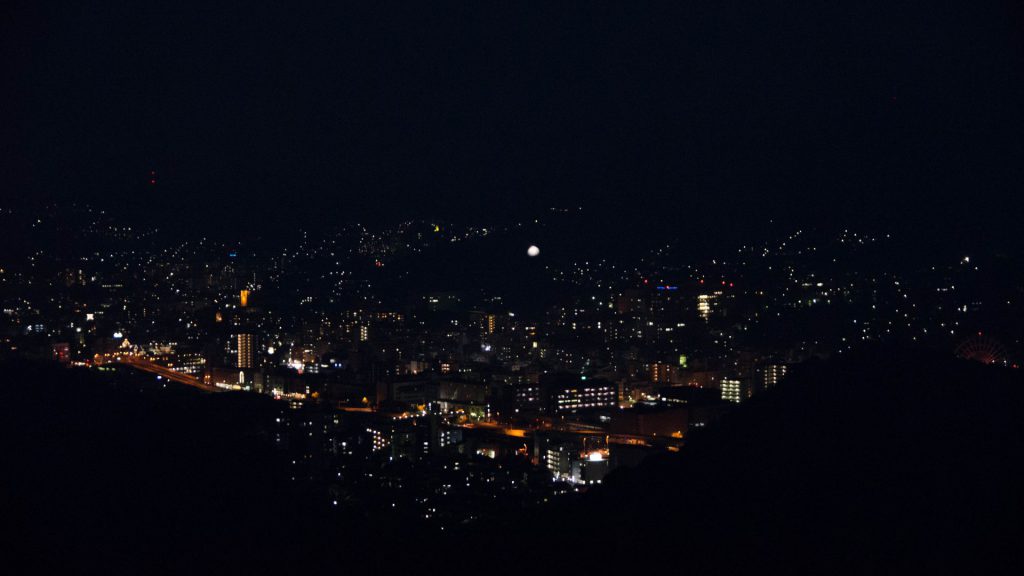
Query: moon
[[532, 251]]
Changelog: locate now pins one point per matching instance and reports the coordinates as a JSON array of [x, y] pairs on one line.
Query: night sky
[[705, 116]]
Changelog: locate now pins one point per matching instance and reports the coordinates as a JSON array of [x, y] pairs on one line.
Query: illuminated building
[[445, 437], [706, 304], [417, 366], [529, 397], [663, 373], [773, 374], [573, 461], [378, 440], [559, 457], [585, 395], [732, 390], [246, 351], [233, 379], [188, 363], [400, 439], [243, 298]]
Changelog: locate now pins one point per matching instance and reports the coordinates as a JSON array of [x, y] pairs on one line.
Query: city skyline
[[515, 288]]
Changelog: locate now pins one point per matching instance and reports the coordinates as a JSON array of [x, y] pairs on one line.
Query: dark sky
[[696, 114]]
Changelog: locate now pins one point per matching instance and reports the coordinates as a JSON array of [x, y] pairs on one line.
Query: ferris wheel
[[982, 348]]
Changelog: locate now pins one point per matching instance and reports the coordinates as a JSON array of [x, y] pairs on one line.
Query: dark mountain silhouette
[[877, 463]]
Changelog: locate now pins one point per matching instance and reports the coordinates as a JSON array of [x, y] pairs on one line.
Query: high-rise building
[[246, 351], [773, 374], [558, 458], [706, 304], [662, 373], [732, 390]]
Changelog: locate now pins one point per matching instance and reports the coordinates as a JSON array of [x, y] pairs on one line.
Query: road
[[153, 368]]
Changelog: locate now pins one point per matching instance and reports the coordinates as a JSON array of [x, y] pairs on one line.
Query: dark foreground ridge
[[878, 462]]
